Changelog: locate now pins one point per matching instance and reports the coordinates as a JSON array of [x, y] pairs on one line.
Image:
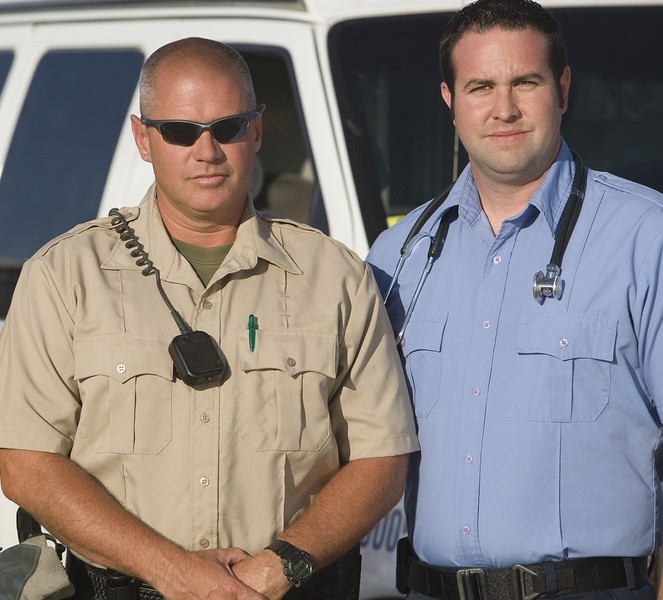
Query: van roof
[[320, 8], [31, 5]]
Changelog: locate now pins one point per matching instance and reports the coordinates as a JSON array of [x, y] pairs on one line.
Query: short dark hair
[[484, 15], [194, 50]]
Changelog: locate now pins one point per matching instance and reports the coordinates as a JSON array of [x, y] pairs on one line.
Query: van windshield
[[400, 137], [5, 62], [61, 151]]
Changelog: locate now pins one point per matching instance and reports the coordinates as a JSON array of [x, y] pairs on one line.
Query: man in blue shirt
[[538, 417]]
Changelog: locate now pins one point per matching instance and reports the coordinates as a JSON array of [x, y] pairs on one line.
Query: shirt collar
[[549, 198], [254, 240]]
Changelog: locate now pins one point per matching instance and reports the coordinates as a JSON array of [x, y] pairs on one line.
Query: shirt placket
[[204, 441], [475, 394]]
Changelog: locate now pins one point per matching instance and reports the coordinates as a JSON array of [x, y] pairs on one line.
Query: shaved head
[[188, 54]]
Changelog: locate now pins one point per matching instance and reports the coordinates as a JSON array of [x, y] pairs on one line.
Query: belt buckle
[[519, 582], [472, 584]]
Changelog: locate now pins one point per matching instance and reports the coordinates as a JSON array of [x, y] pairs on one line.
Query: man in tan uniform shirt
[[179, 486]]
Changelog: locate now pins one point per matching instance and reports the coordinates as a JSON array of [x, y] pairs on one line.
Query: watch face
[[301, 568]]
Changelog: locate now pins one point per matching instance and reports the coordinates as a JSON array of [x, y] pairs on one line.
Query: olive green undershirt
[[205, 261]]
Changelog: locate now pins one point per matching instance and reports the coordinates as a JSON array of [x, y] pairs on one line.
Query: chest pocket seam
[[563, 366], [126, 392], [285, 385], [422, 350]]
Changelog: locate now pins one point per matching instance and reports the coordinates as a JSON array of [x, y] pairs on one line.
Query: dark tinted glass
[[398, 131], [285, 181], [185, 134], [179, 132], [60, 154], [399, 134], [228, 129], [615, 117], [5, 62], [8, 272]]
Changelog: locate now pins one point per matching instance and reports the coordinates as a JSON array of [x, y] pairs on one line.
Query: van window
[[401, 140], [5, 62], [615, 116], [62, 147], [399, 135], [284, 182]]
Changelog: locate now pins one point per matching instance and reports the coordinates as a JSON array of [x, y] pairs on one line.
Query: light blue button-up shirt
[[538, 424]]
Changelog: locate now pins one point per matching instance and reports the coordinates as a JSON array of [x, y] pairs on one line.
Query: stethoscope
[[545, 285]]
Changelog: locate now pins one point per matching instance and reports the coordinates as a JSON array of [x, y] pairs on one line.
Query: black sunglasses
[[185, 133]]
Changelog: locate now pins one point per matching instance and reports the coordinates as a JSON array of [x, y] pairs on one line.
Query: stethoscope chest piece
[[548, 285]]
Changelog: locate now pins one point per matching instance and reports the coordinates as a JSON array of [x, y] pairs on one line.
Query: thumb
[[230, 556]]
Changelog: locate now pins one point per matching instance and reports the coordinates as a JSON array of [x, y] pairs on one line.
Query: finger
[[232, 556], [225, 556]]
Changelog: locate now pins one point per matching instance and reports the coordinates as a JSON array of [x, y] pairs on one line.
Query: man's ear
[[447, 97], [141, 138], [564, 87], [258, 127]]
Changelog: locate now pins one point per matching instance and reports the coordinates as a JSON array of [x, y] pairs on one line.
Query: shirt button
[[204, 543], [121, 368], [291, 362], [563, 342], [204, 481], [476, 391], [207, 304], [497, 259], [469, 459], [486, 324], [204, 418], [465, 530]]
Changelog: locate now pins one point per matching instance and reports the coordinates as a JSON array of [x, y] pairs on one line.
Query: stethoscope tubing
[[567, 223]]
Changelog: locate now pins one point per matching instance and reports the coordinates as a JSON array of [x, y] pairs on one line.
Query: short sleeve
[[39, 406], [371, 410]]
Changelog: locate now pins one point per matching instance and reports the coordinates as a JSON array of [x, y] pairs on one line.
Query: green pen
[[253, 325]]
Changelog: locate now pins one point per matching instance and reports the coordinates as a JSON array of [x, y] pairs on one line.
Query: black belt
[[337, 581], [92, 583], [526, 582]]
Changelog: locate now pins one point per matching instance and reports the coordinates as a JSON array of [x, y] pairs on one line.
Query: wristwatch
[[297, 564]]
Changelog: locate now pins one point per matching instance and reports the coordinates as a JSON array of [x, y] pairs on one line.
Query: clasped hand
[[228, 574]]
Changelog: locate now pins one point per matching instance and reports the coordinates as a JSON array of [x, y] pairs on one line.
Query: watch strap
[[297, 564]]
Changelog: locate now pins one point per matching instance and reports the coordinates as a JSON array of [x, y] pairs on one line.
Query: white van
[[355, 132]]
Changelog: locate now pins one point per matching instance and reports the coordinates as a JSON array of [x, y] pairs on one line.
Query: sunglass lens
[[227, 130], [177, 132]]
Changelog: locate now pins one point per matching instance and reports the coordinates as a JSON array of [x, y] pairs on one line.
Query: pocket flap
[[291, 352], [122, 357], [567, 336], [423, 335]]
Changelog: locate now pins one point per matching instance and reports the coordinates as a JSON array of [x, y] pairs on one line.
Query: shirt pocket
[[422, 350], [563, 366], [126, 393], [285, 384]]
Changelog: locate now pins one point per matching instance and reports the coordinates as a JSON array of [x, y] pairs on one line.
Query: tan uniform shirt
[[85, 372]]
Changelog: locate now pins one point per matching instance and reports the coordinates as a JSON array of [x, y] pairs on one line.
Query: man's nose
[[206, 148], [505, 107]]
